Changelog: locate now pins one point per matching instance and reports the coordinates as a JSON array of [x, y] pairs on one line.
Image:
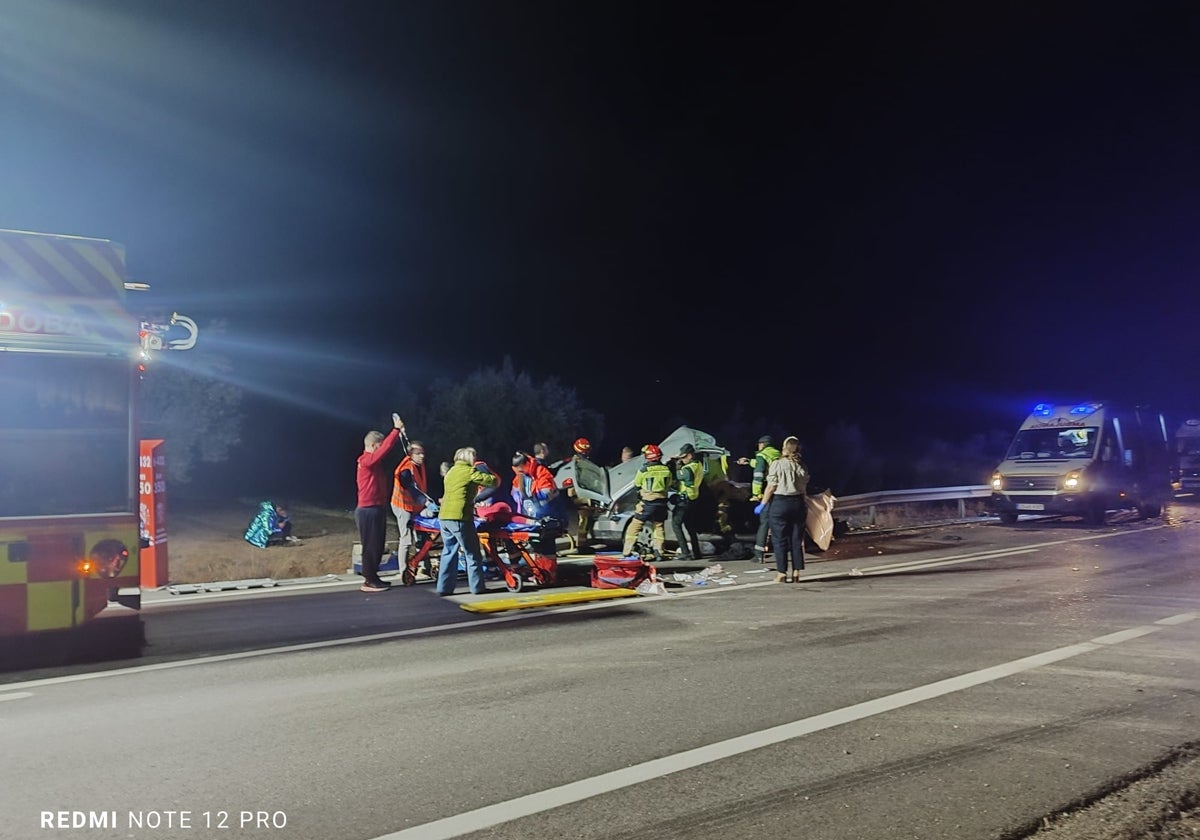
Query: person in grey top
[[787, 484]]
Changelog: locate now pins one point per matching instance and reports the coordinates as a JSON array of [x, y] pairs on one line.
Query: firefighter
[[762, 462], [655, 482], [689, 475], [583, 507]]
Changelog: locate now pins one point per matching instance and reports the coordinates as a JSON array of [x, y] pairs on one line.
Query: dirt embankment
[[206, 542]]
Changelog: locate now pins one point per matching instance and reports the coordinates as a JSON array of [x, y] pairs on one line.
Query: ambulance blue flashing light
[[1046, 409]]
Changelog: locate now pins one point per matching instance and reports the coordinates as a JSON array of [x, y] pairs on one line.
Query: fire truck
[[72, 358]]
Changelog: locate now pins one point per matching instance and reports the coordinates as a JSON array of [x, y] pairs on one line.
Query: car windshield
[[1041, 444]]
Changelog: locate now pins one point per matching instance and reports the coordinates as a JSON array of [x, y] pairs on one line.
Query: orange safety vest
[[401, 498]]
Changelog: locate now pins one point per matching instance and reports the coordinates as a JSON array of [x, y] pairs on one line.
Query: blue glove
[[759, 508]]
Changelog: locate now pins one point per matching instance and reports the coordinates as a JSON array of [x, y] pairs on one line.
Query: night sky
[[903, 215]]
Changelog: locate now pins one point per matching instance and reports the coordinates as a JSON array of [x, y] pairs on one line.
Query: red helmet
[[583, 446], [652, 452]]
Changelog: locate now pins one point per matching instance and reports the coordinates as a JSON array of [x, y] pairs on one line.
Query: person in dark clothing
[[689, 476], [762, 460], [371, 512]]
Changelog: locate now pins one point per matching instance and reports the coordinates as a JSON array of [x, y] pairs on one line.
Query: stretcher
[[428, 533], [521, 549]]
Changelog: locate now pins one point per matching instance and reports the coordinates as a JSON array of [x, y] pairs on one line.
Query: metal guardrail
[[872, 501]]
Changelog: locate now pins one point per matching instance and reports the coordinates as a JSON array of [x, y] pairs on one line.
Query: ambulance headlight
[[1073, 481], [997, 482]]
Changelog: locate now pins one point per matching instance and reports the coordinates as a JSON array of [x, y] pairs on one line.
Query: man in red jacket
[[374, 492]]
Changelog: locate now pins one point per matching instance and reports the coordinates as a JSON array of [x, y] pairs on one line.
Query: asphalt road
[[962, 687]]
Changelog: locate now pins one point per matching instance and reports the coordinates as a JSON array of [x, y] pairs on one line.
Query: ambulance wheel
[[408, 577], [513, 583], [1008, 518]]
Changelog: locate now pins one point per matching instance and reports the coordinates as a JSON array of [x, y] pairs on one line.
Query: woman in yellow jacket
[[457, 522]]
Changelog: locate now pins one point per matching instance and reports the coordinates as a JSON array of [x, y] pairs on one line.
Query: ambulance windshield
[[1059, 444]]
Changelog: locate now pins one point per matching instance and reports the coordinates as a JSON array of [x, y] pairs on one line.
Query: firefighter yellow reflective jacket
[[654, 481], [690, 475], [762, 462]]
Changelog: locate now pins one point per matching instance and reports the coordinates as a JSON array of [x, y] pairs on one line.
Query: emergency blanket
[[819, 519], [267, 523]]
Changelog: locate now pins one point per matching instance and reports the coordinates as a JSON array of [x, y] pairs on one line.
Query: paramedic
[[409, 497], [371, 513], [763, 458], [533, 487], [689, 475], [784, 499], [655, 482], [457, 519]]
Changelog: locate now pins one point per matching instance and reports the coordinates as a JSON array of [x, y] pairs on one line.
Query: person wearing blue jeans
[[456, 519]]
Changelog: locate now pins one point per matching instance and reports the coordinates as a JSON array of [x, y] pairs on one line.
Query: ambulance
[[1187, 455], [1084, 459]]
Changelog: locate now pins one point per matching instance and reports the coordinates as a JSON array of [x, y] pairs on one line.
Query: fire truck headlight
[[1071, 482], [997, 482], [108, 558]]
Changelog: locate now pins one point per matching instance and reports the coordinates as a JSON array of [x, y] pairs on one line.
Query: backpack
[[619, 573]]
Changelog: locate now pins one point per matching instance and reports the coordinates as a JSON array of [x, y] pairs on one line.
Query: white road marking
[[16, 695], [523, 806]]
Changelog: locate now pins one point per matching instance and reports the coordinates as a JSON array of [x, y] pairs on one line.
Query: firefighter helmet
[[652, 452], [583, 446]]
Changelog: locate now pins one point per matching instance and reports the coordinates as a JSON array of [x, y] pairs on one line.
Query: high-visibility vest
[[401, 498]]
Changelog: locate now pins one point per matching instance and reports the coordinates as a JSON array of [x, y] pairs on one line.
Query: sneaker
[[375, 586]]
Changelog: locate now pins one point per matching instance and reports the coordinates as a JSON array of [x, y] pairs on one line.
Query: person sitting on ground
[[270, 526]]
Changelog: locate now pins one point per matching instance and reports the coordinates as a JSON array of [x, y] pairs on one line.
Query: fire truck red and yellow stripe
[[58, 576]]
